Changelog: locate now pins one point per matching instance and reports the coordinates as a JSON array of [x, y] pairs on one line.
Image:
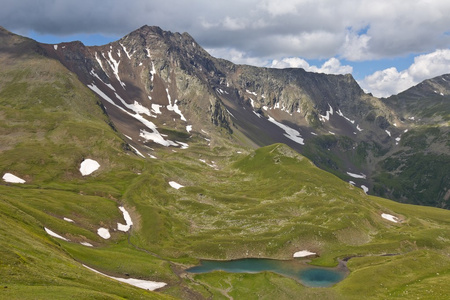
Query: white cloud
[[391, 81], [350, 29], [237, 57], [331, 66]]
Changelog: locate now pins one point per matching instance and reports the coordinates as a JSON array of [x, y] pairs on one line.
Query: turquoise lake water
[[297, 269]]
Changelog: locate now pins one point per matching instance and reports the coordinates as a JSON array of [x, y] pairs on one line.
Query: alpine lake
[[299, 270]]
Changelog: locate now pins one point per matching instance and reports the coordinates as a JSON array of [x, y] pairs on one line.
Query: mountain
[[199, 158], [171, 81]]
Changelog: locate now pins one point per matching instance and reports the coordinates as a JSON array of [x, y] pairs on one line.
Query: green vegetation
[[270, 202]]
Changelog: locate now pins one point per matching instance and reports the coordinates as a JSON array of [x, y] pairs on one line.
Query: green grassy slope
[[235, 203]]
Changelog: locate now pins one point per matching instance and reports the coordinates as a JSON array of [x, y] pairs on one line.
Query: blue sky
[[387, 45]]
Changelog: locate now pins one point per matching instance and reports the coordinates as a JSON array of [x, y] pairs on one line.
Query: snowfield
[[175, 185], [104, 233], [143, 284], [53, 234], [88, 166], [390, 217], [290, 133], [127, 218], [8, 177], [303, 253], [363, 176]]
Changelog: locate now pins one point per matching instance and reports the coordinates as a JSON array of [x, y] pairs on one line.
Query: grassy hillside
[[235, 203]]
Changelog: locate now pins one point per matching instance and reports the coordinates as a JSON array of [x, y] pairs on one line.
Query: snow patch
[[342, 115], [365, 188], [390, 217], [175, 185], [290, 133], [183, 145], [92, 72], [68, 220], [388, 132], [174, 107], [258, 115], [154, 135], [189, 128], [127, 218], [363, 176], [137, 151], [303, 253], [156, 108], [55, 47], [352, 183], [104, 233], [143, 284], [125, 50], [88, 166], [358, 128], [115, 67], [8, 177], [53, 234], [100, 63], [86, 244], [327, 115]]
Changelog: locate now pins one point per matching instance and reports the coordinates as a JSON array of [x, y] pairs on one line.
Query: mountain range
[[213, 160]]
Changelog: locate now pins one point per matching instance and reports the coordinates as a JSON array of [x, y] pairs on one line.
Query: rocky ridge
[[161, 88]]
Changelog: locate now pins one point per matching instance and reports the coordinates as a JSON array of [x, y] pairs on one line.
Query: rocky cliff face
[[162, 88]]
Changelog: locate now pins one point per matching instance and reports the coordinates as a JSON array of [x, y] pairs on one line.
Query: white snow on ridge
[[175, 185], [363, 176], [290, 133], [53, 234], [253, 93], [174, 107], [303, 253], [127, 218], [88, 166], [258, 115], [115, 67], [156, 108], [154, 135], [136, 107], [125, 50], [92, 72], [100, 63], [55, 47], [143, 284], [342, 115], [104, 233], [327, 114], [390, 217], [8, 177]]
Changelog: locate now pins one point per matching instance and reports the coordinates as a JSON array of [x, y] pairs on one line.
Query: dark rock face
[[153, 79]]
